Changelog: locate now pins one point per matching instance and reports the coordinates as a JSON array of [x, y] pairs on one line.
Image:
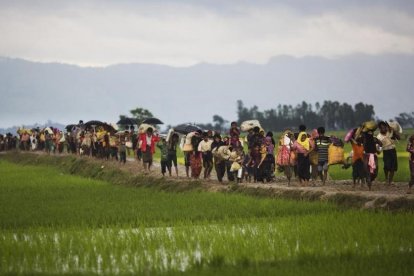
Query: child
[[240, 160], [255, 158], [322, 145], [122, 151], [113, 144], [172, 152], [248, 171], [371, 145], [358, 172], [162, 145], [410, 149], [234, 135]]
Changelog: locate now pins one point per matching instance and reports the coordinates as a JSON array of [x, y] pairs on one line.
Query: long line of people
[[253, 158]]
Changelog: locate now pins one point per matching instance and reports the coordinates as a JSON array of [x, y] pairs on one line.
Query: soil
[[382, 195]]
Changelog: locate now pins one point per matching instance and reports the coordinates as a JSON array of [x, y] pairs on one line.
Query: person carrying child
[[302, 146]]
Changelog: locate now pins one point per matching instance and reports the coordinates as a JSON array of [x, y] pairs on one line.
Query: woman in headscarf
[[302, 146], [285, 161]]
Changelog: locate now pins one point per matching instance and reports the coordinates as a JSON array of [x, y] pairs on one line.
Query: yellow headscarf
[[305, 143]]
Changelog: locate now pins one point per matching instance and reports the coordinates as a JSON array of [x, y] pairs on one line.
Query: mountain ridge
[[33, 91]]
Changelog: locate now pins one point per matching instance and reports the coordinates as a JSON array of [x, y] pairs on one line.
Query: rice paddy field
[[52, 222]]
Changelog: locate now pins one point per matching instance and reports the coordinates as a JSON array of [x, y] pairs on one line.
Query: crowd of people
[[254, 157]]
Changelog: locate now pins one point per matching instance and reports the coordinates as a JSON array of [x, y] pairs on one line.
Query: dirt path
[[381, 196]]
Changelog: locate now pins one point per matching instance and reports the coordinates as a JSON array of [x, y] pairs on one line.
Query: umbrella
[[127, 121], [152, 121], [70, 127], [95, 123], [187, 128]]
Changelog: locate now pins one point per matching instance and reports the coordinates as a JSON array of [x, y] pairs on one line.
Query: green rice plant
[[56, 223]]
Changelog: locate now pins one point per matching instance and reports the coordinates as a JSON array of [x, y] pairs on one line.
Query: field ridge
[[117, 174]]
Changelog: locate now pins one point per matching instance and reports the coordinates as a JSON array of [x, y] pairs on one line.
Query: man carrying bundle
[[388, 137]]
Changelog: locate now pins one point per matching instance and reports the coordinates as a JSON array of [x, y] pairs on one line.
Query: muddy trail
[[341, 192]]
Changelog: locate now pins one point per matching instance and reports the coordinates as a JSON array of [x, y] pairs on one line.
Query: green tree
[[219, 123], [141, 114], [363, 113]]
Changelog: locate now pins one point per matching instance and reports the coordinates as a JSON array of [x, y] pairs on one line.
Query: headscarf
[[269, 145], [305, 143]]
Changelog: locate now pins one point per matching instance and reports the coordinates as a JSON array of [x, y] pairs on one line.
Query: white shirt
[[205, 146], [387, 142], [286, 141], [149, 140]]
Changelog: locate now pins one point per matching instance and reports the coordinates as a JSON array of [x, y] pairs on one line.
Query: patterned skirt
[[196, 164]]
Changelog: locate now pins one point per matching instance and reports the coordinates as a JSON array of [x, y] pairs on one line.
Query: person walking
[[388, 137], [322, 143], [148, 141], [410, 149], [219, 165], [172, 152], [302, 147], [205, 148]]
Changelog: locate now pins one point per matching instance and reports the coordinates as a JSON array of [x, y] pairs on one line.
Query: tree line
[[330, 114], [333, 115]]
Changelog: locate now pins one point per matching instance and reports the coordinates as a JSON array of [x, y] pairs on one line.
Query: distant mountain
[[32, 91]]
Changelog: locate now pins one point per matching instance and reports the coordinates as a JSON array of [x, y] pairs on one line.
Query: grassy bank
[[55, 222]]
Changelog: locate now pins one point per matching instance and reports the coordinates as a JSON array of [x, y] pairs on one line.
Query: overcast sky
[[182, 33]]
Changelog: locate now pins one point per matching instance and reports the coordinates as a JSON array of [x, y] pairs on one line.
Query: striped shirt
[[322, 144]]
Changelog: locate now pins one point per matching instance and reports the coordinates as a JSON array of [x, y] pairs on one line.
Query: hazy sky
[[182, 33]]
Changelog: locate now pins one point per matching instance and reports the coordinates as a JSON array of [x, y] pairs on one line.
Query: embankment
[[118, 174]]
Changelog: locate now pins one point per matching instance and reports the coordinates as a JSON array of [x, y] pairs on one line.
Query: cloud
[[182, 33]]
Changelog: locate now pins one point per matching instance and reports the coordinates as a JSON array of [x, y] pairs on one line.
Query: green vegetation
[[54, 222]]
